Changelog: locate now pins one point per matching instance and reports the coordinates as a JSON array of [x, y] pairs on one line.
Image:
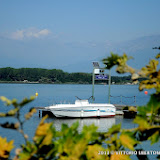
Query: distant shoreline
[[53, 76], [21, 82]]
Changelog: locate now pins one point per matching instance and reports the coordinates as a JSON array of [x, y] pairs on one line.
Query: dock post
[[93, 79], [82, 113], [109, 88], [98, 113], [39, 113]]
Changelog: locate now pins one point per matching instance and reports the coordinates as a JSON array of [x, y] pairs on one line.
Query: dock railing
[[122, 103]]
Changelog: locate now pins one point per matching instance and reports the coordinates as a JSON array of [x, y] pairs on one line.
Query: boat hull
[[83, 111]]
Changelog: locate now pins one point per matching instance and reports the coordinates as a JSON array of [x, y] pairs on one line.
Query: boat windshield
[[81, 102]]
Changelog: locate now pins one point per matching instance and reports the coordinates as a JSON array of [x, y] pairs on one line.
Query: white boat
[[82, 108]]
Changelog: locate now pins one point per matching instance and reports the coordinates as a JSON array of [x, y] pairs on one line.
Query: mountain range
[[73, 56], [141, 49]]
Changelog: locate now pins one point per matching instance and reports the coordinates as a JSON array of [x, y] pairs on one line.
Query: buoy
[[36, 94], [145, 92]]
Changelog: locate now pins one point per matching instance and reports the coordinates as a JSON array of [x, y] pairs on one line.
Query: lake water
[[49, 94]]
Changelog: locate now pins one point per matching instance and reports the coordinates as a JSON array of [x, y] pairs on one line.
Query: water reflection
[[103, 123]]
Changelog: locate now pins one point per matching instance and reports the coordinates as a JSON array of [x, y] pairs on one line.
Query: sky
[[70, 34]]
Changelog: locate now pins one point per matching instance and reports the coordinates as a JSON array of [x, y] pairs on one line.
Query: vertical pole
[[109, 88], [93, 79]]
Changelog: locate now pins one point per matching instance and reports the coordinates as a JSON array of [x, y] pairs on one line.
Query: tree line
[[41, 75]]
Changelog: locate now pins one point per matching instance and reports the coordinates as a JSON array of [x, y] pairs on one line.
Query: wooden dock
[[120, 106]]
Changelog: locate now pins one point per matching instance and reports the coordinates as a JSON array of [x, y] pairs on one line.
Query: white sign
[[96, 71]]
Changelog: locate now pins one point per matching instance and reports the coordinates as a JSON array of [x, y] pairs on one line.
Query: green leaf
[[92, 152], [30, 113], [42, 130], [24, 155], [158, 56], [5, 148], [149, 112], [143, 124], [6, 100], [119, 157], [128, 140], [14, 103], [12, 112], [114, 129], [155, 137], [154, 103], [90, 132], [26, 101], [75, 125], [2, 114], [47, 139], [10, 125], [111, 61]]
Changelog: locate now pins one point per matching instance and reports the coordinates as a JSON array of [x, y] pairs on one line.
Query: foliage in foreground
[[69, 144]]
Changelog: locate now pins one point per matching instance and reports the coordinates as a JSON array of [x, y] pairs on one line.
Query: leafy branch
[[16, 114]]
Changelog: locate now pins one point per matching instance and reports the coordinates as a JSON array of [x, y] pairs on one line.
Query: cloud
[[18, 35], [28, 33]]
